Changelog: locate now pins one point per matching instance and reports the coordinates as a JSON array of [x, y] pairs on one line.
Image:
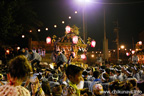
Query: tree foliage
[[17, 18]]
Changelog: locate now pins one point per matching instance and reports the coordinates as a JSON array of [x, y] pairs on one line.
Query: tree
[[17, 18]]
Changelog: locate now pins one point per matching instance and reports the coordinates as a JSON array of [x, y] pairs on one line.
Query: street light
[[69, 17], [92, 55], [75, 12], [55, 26], [30, 31], [39, 30], [46, 29], [23, 36], [63, 22], [122, 46]]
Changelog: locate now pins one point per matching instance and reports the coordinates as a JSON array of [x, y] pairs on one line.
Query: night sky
[[130, 18]]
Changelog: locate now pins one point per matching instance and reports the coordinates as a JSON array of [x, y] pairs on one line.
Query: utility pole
[[84, 34], [105, 42], [116, 29]]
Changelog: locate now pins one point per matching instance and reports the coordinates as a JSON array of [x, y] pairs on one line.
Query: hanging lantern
[[48, 40], [140, 42], [75, 39], [133, 51], [7, 51], [93, 43], [68, 29], [83, 56], [18, 48], [127, 54]]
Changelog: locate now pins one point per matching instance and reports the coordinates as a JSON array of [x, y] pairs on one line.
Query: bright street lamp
[[75, 12], [23, 36], [46, 29], [69, 17], [55, 26], [122, 46], [63, 22], [39, 30]]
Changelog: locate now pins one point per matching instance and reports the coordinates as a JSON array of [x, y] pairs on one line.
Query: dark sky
[[130, 18]]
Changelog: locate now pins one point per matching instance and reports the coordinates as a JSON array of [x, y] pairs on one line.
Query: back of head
[[73, 70], [96, 74], [46, 87], [19, 67]]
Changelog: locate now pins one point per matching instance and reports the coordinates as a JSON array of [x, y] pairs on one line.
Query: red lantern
[[83, 56], [127, 54], [48, 40], [75, 39], [93, 43], [68, 29], [133, 51]]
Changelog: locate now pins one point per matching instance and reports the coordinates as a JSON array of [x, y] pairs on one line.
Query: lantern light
[[39, 30], [76, 12], [75, 39], [92, 55], [93, 43], [55, 26], [140, 42], [133, 51], [48, 40], [23, 36], [83, 56], [63, 22], [18, 48], [69, 17], [127, 54], [7, 51], [68, 29], [30, 31], [46, 29]]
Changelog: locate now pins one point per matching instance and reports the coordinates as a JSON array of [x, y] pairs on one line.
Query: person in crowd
[[136, 72], [46, 87], [35, 87], [60, 59], [85, 75], [140, 88], [74, 74], [97, 80], [129, 73], [24, 52], [57, 90], [135, 59], [54, 82], [18, 70], [118, 74], [142, 73], [112, 76], [105, 82], [53, 56], [34, 58], [120, 86]]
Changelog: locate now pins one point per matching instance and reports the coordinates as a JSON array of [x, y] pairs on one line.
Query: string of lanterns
[[55, 26]]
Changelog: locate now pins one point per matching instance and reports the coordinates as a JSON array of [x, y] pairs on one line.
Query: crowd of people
[[23, 78]]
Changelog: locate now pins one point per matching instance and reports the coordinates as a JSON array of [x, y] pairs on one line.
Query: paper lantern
[[75, 39], [68, 29], [93, 43], [83, 56], [48, 40]]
